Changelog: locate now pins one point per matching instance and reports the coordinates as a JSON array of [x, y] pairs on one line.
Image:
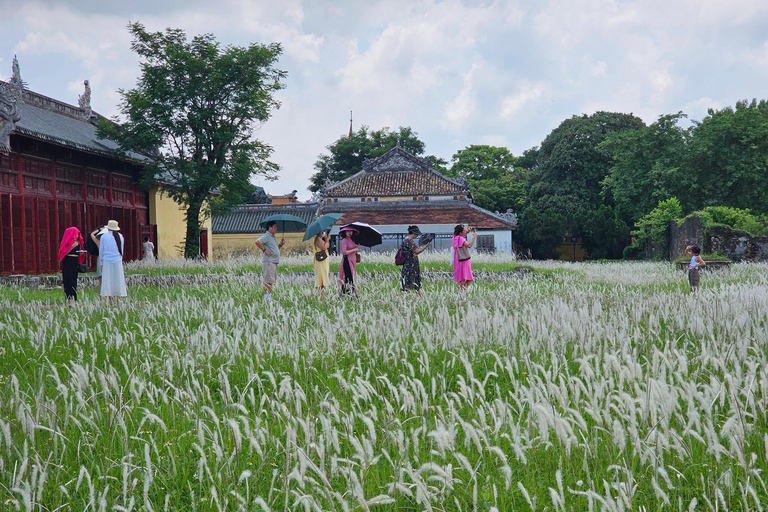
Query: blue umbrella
[[322, 223], [286, 223]]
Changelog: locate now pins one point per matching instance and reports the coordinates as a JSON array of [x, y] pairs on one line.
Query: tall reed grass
[[606, 387]]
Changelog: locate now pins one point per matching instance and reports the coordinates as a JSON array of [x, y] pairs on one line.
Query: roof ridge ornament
[[85, 101], [508, 216], [11, 93]]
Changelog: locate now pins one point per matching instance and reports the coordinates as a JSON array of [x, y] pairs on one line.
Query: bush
[[654, 227], [734, 218], [632, 252]]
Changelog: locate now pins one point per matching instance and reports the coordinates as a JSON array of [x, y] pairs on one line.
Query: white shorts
[[269, 272]]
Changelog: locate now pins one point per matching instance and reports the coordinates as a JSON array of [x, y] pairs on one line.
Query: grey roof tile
[[245, 219], [57, 122]]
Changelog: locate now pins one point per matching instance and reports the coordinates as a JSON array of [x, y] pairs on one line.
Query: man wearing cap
[[271, 249]]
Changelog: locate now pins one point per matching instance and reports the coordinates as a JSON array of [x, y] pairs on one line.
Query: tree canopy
[[194, 109], [490, 172], [567, 181], [348, 154], [728, 155], [647, 168]]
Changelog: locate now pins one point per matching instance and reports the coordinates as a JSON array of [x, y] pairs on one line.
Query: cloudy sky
[[504, 73]]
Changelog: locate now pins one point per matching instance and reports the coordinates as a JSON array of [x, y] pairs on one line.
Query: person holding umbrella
[[271, 257], [349, 256], [321, 264], [321, 247]]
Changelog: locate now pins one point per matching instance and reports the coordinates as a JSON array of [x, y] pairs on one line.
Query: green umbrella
[[286, 223], [322, 223]]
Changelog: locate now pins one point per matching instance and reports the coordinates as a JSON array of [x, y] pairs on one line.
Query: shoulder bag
[[463, 253], [321, 255]]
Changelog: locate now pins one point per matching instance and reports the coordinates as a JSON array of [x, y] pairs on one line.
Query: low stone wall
[[86, 281], [737, 245]]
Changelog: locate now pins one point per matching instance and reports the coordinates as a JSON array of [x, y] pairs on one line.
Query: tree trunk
[[192, 242]]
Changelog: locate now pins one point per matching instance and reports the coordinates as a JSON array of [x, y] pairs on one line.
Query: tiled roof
[[397, 173], [421, 212], [54, 121], [245, 219]]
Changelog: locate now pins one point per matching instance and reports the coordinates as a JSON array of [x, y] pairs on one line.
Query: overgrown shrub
[[734, 218], [653, 228]]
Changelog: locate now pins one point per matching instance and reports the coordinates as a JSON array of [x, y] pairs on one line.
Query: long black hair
[[118, 242], [458, 229]]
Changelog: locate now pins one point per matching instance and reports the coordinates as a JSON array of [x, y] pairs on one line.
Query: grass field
[[584, 387]]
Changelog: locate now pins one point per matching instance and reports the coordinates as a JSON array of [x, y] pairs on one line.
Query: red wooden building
[[55, 173]]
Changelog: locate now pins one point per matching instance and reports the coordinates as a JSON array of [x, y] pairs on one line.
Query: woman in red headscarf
[[70, 259]]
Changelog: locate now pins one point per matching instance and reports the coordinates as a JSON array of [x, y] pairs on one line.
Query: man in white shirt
[[149, 250]]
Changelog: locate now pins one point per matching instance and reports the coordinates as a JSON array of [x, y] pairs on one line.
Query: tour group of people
[[107, 244], [410, 275], [104, 242]]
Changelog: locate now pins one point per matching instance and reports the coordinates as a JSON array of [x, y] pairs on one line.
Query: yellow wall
[[566, 252], [241, 244], [171, 226]]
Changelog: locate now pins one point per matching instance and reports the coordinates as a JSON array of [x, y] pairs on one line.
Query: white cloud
[[463, 106], [459, 72], [527, 94]]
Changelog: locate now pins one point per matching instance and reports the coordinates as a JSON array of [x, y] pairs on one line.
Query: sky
[[503, 73]]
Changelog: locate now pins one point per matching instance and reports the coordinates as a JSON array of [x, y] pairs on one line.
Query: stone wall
[[737, 245], [691, 232]]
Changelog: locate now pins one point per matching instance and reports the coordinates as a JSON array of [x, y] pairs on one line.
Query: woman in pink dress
[[462, 270], [349, 250]]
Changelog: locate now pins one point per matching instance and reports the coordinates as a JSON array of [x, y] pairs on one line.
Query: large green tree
[[728, 154], [567, 182], [347, 154], [648, 167], [490, 171], [195, 108]]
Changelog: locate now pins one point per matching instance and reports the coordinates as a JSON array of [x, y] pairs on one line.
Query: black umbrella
[[366, 235]]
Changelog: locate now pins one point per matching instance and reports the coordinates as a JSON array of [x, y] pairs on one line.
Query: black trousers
[[349, 283], [69, 269]]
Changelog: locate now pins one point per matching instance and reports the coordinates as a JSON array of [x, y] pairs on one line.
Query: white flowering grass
[[600, 387], [372, 262]]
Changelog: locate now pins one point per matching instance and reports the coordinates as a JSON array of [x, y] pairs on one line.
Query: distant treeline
[[601, 177]]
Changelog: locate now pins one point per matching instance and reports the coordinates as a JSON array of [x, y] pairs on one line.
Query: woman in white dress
[[111, 249]]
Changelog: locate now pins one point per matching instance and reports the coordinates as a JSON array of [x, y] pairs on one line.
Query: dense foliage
[[652, 230], [734, 218], [490, 171], [571, 165], [194, 109]]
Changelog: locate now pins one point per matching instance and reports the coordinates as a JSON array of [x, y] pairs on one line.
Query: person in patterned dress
[[410, 276]]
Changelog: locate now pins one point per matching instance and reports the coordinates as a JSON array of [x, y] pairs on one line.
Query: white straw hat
[[112, 225]]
